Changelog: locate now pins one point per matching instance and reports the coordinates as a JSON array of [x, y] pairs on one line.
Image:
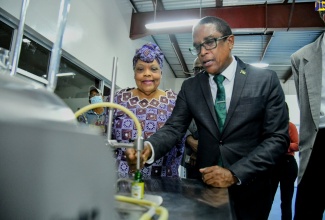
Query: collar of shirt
[[228, 83], [92, 112]]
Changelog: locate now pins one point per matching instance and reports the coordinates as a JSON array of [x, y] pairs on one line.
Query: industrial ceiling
[[265, 31]]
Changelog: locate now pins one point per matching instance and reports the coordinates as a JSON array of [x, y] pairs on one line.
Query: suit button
[[220, 142]]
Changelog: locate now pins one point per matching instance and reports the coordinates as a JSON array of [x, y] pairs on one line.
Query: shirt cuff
[[151, 159], [239, 182]]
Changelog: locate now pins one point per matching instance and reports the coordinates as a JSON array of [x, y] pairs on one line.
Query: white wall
[[288, 87], [292, 101], [178, 83], [96, 31]]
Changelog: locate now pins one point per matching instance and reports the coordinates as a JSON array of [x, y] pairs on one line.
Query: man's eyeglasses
[[197, 69], [208, 45]]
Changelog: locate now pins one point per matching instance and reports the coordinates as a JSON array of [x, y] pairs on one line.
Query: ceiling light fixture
[[66, 74], [63, 74], [171, 24], [261, 65], [25, 40]]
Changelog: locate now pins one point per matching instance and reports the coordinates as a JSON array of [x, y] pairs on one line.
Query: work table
[[187, 198]]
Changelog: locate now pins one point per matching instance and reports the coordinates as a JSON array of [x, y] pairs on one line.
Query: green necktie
[[220, 103]]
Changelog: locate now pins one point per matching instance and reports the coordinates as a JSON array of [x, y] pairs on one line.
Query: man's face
[[217, 59]]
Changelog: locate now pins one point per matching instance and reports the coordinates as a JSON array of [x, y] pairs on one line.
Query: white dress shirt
[[228, 83]]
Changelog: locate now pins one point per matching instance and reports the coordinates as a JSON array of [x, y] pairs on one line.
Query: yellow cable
[[112, 105], [162, 211]]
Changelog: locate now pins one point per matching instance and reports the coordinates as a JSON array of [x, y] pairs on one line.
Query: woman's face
[[147, 76]]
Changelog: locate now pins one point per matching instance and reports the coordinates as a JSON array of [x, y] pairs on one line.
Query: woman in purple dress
[[152, 106]]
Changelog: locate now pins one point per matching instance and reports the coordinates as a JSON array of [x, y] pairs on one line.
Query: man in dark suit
[[308, 70], [255, 132]]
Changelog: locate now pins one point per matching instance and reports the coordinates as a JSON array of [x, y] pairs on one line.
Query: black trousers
[[252, 201], [310, 198], [285, 174]]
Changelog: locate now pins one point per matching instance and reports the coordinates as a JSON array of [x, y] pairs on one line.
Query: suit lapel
[[240, 78], [313, 72], [205, 86]]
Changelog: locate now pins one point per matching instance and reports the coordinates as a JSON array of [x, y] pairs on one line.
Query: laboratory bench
[[183, 198]]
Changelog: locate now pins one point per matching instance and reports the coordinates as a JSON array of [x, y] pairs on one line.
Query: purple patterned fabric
[[148, 53], [152, 116]]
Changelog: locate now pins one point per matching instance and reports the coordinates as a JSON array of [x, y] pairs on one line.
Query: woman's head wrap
[[148, 53]]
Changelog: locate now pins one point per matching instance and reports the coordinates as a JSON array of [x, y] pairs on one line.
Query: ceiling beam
[[134, 7], [266, 47], [250, 18], [158, 5], [179, 54]]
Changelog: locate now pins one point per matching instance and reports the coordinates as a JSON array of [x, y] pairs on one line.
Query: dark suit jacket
[[255, 133]]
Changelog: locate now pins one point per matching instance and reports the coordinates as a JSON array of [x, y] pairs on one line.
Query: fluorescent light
[[66, 74], [261, 65], [25, 40], [63, 74], [171, 24]]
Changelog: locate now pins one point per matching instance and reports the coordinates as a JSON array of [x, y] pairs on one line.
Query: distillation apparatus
[[138, 145], [61, 150]]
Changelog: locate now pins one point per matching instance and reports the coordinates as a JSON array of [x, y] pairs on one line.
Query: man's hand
[[131, 157], [218, 176], [193, 159], [193, 143]]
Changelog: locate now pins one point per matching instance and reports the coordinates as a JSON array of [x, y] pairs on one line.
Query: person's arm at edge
[[294, 138], [193, 143]]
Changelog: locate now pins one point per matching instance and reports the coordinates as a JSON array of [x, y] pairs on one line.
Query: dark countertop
[[186, 198]]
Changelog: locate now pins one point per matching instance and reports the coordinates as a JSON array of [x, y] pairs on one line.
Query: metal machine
[[50, 167]]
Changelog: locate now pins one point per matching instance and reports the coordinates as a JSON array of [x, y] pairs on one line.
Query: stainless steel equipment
[[50, 167]]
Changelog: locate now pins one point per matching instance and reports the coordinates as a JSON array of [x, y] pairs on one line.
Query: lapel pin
[[243, 72]]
